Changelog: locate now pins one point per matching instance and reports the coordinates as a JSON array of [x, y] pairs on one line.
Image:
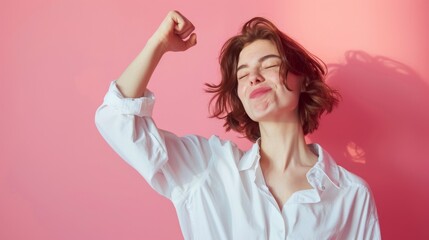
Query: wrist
[[157, 45]]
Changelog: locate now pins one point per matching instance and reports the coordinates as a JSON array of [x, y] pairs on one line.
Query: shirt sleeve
[[372, 223], [364, 222], [171, 165]]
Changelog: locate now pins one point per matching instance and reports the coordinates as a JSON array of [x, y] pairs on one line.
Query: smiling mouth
[[259, 92]]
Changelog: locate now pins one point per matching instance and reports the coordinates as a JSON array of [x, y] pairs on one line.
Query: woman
[[273, 92]]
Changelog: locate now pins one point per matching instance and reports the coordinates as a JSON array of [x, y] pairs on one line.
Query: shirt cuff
[[141, 107]]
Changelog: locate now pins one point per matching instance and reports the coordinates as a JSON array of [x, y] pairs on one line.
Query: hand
[[175, 33]]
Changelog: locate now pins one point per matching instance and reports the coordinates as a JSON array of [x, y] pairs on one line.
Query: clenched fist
[[175, 33]]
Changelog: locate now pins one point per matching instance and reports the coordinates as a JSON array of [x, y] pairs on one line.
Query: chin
[[273, 115], [261, 116]]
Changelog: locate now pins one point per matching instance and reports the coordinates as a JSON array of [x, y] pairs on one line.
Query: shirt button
[[323, 188]]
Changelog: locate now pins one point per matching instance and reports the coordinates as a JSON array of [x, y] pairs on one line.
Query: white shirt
[[219, 191]]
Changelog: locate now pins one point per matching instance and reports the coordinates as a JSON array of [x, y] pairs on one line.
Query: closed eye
[[272, 66], [241, 77]]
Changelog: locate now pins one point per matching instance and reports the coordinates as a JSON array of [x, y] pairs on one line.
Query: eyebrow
[[259, 60]]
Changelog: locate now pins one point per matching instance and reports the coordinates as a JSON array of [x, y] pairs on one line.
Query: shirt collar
[[250, 157], [325, 162]]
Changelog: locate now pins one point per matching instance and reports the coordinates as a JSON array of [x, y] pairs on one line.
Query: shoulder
[[357, 190], [219, 148], [349, 179], [337, 173], [216, 143]]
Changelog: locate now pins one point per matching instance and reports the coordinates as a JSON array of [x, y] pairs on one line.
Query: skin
[[285, 158], [175, 34], [259, 65]]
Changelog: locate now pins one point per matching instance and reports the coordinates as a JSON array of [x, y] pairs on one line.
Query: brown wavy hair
[[316, 96]]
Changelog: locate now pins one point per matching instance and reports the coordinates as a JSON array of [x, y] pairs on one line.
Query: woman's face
[[261, 89]]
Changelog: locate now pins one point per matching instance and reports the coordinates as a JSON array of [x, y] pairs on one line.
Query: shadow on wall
[[380, 132]]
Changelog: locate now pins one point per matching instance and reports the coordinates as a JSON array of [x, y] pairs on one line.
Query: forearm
[[171, 35], [133, 81]]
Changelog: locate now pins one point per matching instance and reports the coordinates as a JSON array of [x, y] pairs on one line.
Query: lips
[[259, 92]]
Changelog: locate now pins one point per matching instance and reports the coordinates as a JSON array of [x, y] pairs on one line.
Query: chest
[[239, 206], [283, 186]]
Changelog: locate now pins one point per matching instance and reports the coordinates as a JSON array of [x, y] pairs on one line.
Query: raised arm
[[125, 121], [174, 34]]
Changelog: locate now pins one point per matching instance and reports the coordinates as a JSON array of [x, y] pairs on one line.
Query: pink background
[[60, 180]]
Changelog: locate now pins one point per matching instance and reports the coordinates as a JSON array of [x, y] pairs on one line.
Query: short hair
[[316, 96]]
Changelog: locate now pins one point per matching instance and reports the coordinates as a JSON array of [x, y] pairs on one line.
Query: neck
[[283, 146]]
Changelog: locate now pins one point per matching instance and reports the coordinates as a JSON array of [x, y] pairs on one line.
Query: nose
[[256, 78]]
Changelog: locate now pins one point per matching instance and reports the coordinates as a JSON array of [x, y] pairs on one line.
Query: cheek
[[240, 92]]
